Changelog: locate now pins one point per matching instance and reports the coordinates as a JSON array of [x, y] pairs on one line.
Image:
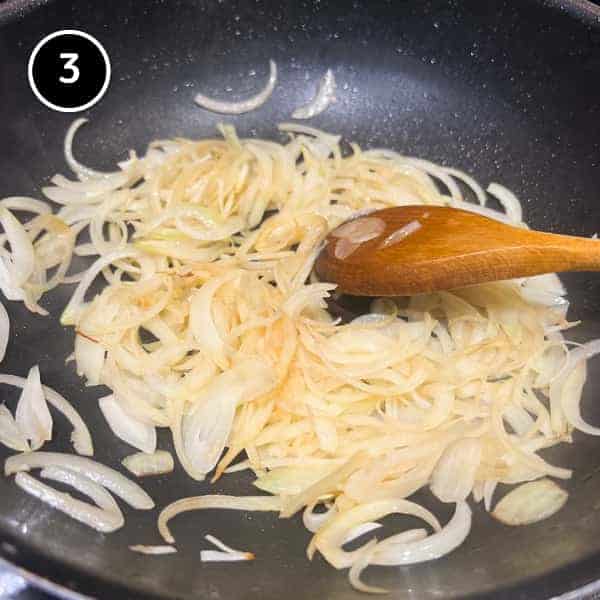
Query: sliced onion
[[89, 356], [127, 428], [454, 474], [85, 485], [206, 428], [118, 484], [488, 493], [392, 552], [565, 390], [81, 438], [323, 98], [248, 503], [72, 310], [360, 530], [92, 516], [4, 331], [330, 538], [75, 165], [400, 234], [314, 521], [143, 549], [142, 464], [531, 502], [237, 108], [25, 204], [510, 203], [225, 553], [10, 433], [22, 254], [359, 565], [32, 415]]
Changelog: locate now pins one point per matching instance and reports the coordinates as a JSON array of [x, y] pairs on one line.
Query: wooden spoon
[[417, 249]]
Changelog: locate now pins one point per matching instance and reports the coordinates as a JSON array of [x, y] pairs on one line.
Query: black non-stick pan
[[508, 90]]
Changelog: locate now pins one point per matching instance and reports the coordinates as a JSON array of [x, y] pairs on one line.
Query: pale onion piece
[[359, 565], [530, 502], [10, 433], [292, 504], [509, 201], [127, 428], [25, 204], [89, 189], [218, 556], [4, 331], [118, 484], [142, 464], [323, 98], [313, 521], [97, 518], [454, 474], [32, 415], [330, 538], [470, 182], [202, 324], [247, 503], [75, 165], [360, 230], [207, 426], [489, 487], [566, 389], [237, 108], [9, 289], [293, 479], [85, 485], [89, 356], [452, 535], [22, 255], [361, 529], [144, 549], [81, 438], [225, 553], [72, 311], [400, 234]]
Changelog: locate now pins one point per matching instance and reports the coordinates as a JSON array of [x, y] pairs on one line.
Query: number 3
[[71, 58]]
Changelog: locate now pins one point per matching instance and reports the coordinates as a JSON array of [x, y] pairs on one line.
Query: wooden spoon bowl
[[410, 250]]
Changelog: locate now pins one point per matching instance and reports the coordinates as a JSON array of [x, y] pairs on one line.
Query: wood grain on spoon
[[417, 249]]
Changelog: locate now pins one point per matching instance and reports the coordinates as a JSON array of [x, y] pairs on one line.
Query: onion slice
[[127, 428], [32, 415], [249, 503], [92, 516], [225, 552], [323, 98], [118, 484], [392, 551], [4, 331], [81, 438], [143, 549], [531, 502], [142, 464], [10, 433], [237, 108]]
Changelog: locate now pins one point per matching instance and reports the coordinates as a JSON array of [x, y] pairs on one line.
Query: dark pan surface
[[509, 91]]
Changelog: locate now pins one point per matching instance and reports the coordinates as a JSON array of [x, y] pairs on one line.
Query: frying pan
[[507, 90]]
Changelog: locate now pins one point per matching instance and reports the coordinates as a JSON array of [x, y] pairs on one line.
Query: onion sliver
[[81, 438], [143, 549], [92, 516], [249, 503], [237, 108], [4, 331], [127, 428], [323, 98], [142, 464], [118, 484], [390, 552], [32, 414], [531, 502]]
